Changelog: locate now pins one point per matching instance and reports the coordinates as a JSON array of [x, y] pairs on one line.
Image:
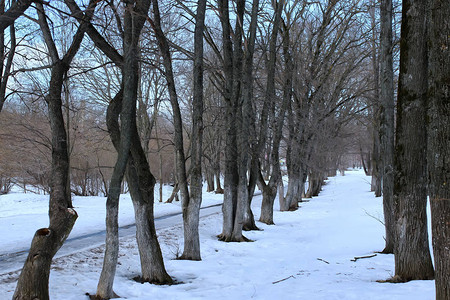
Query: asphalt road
[[14, 261]]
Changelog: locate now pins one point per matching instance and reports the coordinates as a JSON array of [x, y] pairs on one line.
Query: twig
[[278, 281], [360, 257], [323, 260], [372, 216]]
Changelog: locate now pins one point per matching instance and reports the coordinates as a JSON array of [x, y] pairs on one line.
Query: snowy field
[[306, 255]]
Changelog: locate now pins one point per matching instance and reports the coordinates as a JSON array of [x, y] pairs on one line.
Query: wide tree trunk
[[269, 192], [387, 122], [439, 142], [316, 180], [412, 255], [142, 183]]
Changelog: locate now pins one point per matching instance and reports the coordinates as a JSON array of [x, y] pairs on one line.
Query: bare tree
[[191, 208], [247, 138], [33, 280], [270, 190], [235, 185], [140, 179], [412, 255], [439, 142]]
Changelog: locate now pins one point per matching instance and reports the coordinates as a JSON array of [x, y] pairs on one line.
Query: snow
[[306, 255]]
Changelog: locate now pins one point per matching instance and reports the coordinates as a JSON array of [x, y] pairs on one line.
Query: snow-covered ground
[[306, 255]]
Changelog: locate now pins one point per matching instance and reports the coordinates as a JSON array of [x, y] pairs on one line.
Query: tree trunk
[[209, 180], [293, 156], [269, 193], [191, 208], [247, 144], [231, 179], [387, 122], [439, 142], [376, 161], [33, 279], [233, 206], [219, 189], [412, 255], [134, 18], [315, 184], [142, 182], [249, 219], [270, 190], [5, 66], [164, 48], [376, 157]]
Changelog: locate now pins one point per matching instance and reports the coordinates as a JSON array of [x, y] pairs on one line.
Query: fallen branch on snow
[[361, 257], [323, 260], [278, 281]]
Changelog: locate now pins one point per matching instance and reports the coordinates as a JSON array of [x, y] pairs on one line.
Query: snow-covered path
[[306, 255]]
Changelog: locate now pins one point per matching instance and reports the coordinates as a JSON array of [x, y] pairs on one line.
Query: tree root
[[154, 281], [230, 239], [96, 297], [395, 279]]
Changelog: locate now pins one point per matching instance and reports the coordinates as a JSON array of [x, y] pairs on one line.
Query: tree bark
[[387, 122], [412, 255], [439, 142]]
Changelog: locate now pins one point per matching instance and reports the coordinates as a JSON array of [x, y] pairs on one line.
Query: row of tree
[[414, 158], [244, 86]]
